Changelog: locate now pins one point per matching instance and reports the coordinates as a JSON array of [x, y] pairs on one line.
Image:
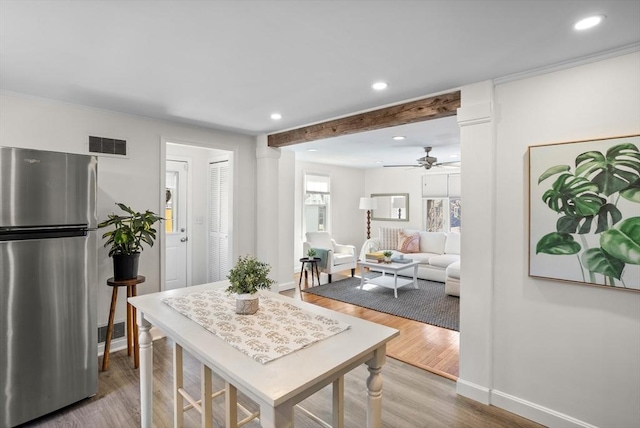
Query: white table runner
[[277, 329]]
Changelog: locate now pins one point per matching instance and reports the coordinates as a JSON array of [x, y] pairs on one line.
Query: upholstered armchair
[[338, 257]]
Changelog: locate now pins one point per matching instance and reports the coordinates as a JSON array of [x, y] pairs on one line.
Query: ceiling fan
[[425, 162]]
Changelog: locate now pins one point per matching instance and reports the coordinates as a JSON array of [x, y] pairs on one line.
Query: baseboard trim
[[535, 412], [121, 343], [286, 286], [475, 392], [513, 404], [116, 345]]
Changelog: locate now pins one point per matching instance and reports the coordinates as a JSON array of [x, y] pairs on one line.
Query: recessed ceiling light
[[398, 137], [379, 162], [312, 150], [589, 22], [276, 116], [454, 156], [379, 86]]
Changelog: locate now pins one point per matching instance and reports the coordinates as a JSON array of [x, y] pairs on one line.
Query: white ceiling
[[230, 64]]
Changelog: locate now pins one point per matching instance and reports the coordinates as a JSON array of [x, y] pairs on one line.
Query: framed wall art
[[584, 212]]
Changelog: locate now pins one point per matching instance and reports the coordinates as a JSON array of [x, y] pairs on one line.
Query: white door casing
[[176, 225]]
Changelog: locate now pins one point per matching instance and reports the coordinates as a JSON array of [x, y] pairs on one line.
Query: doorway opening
[[198, 211]]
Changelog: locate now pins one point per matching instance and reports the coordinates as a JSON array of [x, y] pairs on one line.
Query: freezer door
[[48, 331], [39, 188]]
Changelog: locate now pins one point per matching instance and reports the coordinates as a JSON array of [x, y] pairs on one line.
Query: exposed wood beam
[[401, 114]]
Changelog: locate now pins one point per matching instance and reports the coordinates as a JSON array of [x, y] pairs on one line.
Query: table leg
[[415, 277], [301, 272], [130, 321], [107, 343], [206, 403], [134, 325], [178, 384], [231, 405], [361, 280], [146, 372], [374, 387], [395, 284], [276, 417], [338, 403], [318, 273]]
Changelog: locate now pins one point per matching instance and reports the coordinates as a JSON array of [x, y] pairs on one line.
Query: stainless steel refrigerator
[[48, 280]]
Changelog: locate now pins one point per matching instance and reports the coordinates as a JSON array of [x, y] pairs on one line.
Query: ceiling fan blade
[[449, 163], [403, 166]]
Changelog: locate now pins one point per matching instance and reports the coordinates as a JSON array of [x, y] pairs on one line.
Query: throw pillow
[[388, 238], [408, 243]]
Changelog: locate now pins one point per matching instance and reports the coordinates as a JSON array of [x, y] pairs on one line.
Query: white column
[[267, 205], [477, 141]]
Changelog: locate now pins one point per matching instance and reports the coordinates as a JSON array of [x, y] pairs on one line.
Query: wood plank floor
[[422, 345], [412, 398]]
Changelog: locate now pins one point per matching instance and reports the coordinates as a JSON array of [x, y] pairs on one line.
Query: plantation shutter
[[218, 221]]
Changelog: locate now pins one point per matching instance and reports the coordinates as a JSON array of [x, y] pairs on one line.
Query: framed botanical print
[[584, 212]]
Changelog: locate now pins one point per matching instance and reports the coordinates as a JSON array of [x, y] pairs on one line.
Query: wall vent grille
[[110, 146]]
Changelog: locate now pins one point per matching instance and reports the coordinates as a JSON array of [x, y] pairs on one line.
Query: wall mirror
[[391, 207]]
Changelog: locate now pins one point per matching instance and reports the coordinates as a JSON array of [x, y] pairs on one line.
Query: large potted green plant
[[125, 241], [246, 278]]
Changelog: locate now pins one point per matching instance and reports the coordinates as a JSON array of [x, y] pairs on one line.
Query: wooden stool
[[132, 326], [311, 263]]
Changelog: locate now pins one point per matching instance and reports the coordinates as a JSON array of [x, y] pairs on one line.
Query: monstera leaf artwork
[[585, 212]]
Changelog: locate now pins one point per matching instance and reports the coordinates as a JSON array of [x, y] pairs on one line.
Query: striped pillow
[[408, 243], [388, 238]]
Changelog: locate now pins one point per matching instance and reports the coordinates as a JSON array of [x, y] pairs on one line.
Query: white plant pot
[[247, 304]]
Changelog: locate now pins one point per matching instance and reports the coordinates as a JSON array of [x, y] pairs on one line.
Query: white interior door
[[176, 225], [219, 203]]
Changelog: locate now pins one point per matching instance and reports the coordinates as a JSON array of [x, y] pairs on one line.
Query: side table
[[132, 326], [311, 263]]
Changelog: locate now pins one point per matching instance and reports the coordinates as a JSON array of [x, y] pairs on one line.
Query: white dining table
[[278, 385]]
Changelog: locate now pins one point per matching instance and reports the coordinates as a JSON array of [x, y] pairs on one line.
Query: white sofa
[[452, 280], [438, 251]]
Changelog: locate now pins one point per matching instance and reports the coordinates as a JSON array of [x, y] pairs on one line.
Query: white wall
[[50, 125], [560, 353], [347, 222], [400, 180]]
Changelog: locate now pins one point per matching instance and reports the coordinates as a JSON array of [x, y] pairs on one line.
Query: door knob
[[184, 239]]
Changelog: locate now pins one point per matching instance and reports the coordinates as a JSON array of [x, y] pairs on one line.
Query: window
[[442, 203], [171, 198], [443, 215], [316, 203]]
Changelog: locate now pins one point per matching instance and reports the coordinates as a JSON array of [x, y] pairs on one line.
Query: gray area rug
[[429, 304]]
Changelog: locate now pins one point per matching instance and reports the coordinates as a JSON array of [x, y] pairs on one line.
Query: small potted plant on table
[[387, 256], [246, 278], [126, 239]]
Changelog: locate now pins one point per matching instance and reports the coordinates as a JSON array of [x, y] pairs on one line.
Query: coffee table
[[388, 281]]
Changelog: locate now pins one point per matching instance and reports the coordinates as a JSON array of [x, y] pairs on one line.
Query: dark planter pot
[[125, 266]]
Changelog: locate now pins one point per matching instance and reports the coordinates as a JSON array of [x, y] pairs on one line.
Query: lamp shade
[[368, 204], [398, 202]]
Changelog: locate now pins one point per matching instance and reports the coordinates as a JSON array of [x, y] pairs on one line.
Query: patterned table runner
[[277, 329]]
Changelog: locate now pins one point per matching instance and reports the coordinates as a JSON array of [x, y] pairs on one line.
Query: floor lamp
[[368, 204]]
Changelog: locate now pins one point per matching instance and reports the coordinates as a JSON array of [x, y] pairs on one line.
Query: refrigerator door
[[48, 331], [39, 188]]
